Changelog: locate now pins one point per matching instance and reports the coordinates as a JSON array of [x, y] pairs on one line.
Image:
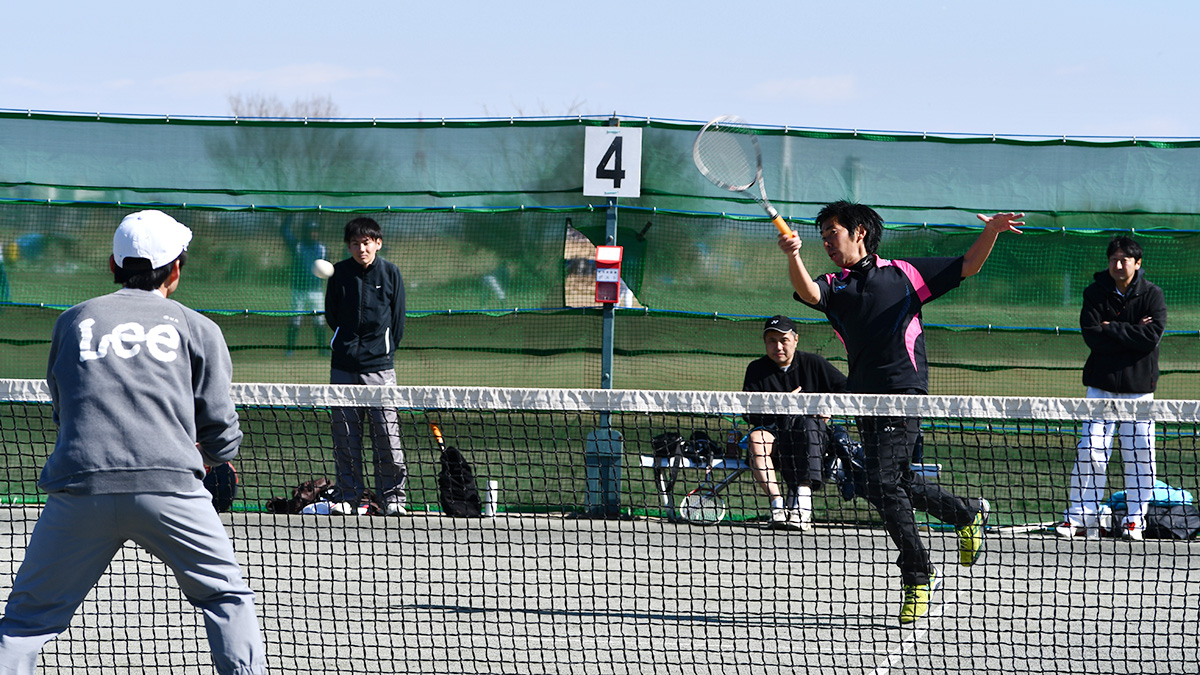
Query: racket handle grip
[[782, 226]]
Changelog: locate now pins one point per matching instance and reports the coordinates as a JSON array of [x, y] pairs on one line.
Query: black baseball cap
[[779, 323]]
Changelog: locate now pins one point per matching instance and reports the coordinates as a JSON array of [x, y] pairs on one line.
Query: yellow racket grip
[[782, 226], [437, 431]]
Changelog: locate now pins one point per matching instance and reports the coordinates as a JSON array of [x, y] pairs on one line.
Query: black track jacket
[[365, 309]]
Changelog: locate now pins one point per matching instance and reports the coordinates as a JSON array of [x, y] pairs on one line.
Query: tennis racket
[[703, 506], [437, 433], [726, 151]]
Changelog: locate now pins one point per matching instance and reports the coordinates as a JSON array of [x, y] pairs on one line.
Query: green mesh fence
[[499, 273], [487, 293]]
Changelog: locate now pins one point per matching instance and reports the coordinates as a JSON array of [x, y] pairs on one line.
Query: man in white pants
[[140, 387], [1123, 320]]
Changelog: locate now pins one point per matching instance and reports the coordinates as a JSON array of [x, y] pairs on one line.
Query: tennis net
[[590, 562]]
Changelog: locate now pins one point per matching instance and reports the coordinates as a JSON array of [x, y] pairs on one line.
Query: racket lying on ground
[[726, 151]]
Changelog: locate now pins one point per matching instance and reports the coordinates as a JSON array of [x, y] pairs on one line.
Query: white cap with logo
[[152, 235]]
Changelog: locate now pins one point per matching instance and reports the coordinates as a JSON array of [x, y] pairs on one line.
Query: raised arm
[[978, 254], [798, 274]]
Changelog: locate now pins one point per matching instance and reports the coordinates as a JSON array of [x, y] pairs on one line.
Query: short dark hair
[[363, 227], [1126, 245], [853, 216], [136, 273]]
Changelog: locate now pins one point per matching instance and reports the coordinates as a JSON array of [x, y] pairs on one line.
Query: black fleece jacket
[[1124, 356]]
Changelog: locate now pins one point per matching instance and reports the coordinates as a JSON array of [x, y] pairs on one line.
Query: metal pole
[[607, 313], [605, 445], [606, 337]]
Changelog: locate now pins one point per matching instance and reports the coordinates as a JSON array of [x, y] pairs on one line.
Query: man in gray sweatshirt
[[140, 387]]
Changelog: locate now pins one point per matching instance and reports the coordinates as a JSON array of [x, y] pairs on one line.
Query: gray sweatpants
[[391, 473], [76, 538]]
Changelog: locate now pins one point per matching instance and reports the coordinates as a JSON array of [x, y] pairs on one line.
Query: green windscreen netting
[[488, 224]]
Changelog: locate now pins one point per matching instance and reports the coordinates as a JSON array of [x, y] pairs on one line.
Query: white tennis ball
[[322, 268]]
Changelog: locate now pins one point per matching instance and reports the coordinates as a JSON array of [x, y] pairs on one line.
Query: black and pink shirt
[[875, 309]]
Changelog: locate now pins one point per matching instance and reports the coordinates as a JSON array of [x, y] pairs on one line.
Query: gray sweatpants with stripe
[[77, 537], [391, 472]]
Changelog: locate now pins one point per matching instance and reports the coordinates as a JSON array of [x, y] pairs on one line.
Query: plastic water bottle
[[490, 498], [732, 449]]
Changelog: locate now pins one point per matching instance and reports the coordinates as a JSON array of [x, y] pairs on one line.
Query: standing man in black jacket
[[1123, 320], [364, 305]]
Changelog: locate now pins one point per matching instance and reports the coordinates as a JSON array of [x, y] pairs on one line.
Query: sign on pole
[[612, 162]]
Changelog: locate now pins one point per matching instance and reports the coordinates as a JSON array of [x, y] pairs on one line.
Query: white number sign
[[612, 162]]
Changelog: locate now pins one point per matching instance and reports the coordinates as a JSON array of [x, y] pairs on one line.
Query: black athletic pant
[[894, 490]]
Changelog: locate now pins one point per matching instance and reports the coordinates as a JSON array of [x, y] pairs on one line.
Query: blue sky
[[1017, 67]]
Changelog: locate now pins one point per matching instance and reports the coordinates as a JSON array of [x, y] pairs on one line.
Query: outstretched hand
[[1002, 222], [992, 227]]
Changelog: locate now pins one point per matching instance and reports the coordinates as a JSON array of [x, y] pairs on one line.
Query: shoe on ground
[[970, 538], [343, 509], [779, 519], [917, 599], [1067, 530], [1131, 532], [793, 521], [801, 519], [394, 509]]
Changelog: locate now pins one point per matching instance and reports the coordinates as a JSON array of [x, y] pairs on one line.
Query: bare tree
[[271, 153], [270, 106], [574, 108]]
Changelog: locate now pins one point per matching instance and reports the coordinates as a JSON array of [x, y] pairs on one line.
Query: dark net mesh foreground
[[593, 556]]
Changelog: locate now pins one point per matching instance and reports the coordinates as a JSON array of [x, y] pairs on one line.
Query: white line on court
[[896, 653]]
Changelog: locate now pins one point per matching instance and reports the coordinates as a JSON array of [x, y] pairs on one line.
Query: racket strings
[[727, 157]]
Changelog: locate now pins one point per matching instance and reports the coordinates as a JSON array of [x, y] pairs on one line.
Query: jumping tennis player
[[140, 390], [874, 305]]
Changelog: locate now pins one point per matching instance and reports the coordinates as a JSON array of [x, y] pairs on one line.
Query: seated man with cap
[[794, 443]]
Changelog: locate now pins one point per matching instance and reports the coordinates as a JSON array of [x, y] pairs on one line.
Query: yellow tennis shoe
[[917, 599], [970, 538]]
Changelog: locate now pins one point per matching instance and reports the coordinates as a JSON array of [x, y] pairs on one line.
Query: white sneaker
[[779, 518], [394, 509], [1066, 530], [801, 519], [343, 509], [1131, 532]]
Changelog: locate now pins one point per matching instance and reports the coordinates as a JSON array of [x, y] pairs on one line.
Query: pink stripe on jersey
[[910, 340], [914, 277], [836, 275]]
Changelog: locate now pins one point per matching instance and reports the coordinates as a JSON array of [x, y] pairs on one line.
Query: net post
[[605, 445]]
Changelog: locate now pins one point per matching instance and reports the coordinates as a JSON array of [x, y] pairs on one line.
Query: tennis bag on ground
[[306, 493], [844, 463], [1164, 521], [456, 486]]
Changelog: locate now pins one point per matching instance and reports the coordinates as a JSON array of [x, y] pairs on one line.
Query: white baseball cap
[[152, 235]]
